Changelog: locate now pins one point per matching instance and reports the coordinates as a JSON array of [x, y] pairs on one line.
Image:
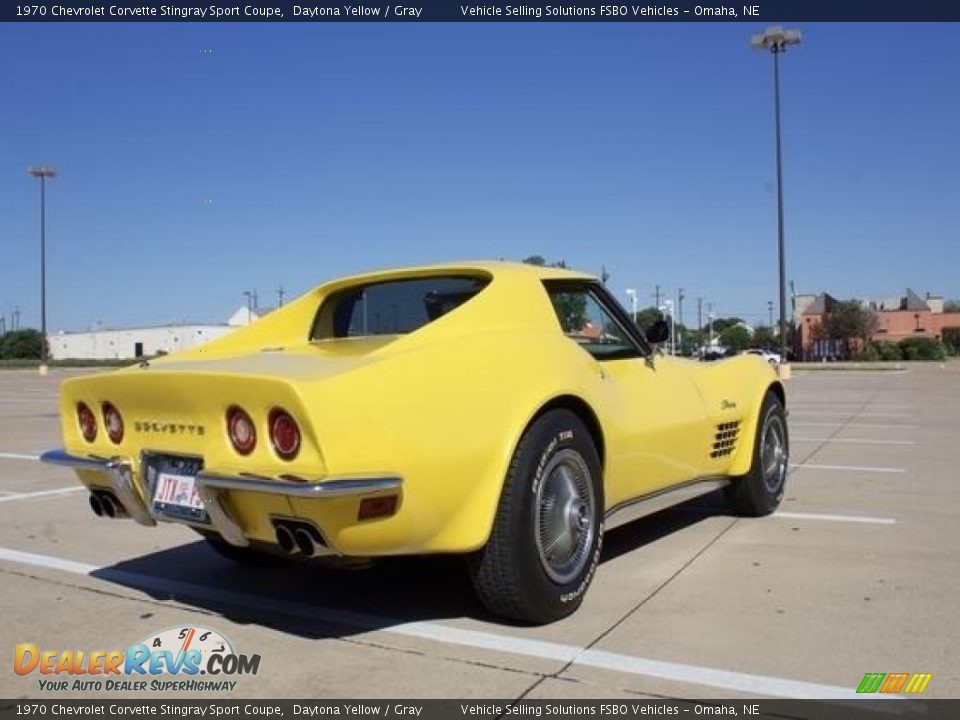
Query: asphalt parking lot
[[859, 572]]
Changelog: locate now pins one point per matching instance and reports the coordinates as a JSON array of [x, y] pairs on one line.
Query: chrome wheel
[[565, 516], [774, 453]]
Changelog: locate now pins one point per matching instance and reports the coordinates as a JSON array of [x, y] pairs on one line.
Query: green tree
[[571, 308], [735, 337], [647, 317], [849, 321], [951, 338], [922, 348], [21, 344], [764, 337], [721, 324]]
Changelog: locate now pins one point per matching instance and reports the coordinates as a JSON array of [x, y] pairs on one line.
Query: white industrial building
[[106, 344]]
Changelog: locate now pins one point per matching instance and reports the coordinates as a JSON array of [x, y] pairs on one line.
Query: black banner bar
[[752, 11]]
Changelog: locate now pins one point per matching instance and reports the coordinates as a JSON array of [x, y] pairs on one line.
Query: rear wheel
[[760, 491], [547, 533]]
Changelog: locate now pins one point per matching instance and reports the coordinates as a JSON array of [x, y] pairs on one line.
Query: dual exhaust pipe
[[105, 504], [296, 537]]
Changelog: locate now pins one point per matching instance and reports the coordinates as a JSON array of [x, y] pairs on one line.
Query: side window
[[588, 323]]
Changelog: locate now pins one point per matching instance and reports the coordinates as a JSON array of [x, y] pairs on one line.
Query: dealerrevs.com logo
[[171, 660]]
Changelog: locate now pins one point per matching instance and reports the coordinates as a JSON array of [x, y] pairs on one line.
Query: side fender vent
[[725, 441]]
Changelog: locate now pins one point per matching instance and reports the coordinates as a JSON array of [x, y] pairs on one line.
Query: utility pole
[[249, 296], [256, 301], [699, 313], [710, 320], [770, 313], [656, 296], [3, 326], [680, 297], [280, 294], [15, 318]]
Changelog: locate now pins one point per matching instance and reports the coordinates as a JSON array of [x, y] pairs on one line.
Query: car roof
[[494, 268]]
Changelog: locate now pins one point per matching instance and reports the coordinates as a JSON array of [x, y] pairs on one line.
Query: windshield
[[392, 307]]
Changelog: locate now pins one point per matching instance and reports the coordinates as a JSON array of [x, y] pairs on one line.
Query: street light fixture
[[632, 294], [668, 306], [776, 40], [43, 172]]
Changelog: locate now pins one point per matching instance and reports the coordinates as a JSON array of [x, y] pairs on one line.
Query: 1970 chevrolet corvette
[[507, 412]]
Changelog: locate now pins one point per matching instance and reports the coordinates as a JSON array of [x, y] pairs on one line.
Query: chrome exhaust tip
[[109, 506], [285, 539], [304, 542], [96, 505]]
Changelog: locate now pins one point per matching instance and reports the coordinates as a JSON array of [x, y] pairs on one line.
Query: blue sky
[[330, 149]]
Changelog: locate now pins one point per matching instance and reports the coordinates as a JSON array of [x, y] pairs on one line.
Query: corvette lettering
[[146, 426]]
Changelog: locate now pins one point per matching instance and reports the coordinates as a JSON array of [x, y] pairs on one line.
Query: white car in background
[[768, 355]]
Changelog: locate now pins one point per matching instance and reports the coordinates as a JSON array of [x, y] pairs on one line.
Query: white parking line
[[14, 399], [855, 441], [835, 518], [885, 407], [17, 456], [850, 468], [813, 413], [40, 493], [835, 423], [437, 632]]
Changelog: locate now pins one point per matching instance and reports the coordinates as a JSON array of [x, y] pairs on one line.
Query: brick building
[[898, 318]]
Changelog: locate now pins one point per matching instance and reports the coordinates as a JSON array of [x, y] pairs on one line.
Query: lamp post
[[668, 306], [776, 40], [43, 172], [632, 294]]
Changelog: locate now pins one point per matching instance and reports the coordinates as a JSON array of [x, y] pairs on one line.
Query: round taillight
[[284, 434], [243, 435], [113, 422], [88, 422]]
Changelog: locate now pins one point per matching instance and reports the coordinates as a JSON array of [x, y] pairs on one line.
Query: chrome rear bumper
[[212, 488], [117, 471]]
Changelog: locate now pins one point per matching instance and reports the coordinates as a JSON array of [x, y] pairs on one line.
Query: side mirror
[[658, 333]]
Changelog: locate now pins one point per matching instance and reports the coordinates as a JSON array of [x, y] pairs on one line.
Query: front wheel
[[547, 533], [760, 491]]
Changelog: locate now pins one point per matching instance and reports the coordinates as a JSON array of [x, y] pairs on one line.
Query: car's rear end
[[227, 447]]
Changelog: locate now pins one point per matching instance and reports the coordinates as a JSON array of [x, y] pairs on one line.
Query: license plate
[[179, 490], [173, 481]]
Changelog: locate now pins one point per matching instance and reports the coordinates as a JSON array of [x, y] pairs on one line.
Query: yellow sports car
[[507, 412]]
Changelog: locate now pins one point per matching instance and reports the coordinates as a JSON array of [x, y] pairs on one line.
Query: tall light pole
[[43, 172], [668, 306], [776, 40], [632, 294]]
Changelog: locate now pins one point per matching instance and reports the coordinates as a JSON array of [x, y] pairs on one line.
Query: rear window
[[393, 307]]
